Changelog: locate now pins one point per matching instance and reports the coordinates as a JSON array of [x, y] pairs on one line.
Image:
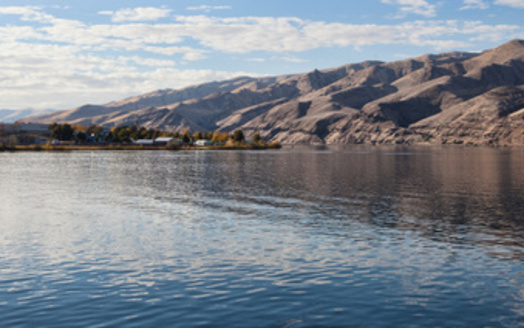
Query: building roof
[[204, 142], [144, 142], [164, 139]]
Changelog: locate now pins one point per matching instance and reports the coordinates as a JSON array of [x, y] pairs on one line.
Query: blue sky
[[61, 54]]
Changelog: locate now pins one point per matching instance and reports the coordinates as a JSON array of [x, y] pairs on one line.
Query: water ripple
[[262, 239]]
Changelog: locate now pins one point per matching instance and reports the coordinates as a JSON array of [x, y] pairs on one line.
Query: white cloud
[[475, 4], [150, 62], [13, 33], [137, 14], [28, 13], [418, 7], [47, 61], [236, 34], [483, 32], [51, 76], [243, 34], [19, 10], [511, 3], [207, 8], [291, 59]]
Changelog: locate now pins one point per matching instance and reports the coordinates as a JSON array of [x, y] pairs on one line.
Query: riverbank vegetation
[[66, 137]]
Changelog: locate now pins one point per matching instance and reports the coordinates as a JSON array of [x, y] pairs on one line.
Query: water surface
[[351, 237]]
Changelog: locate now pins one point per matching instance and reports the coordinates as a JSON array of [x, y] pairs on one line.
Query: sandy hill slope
[[454, 97]]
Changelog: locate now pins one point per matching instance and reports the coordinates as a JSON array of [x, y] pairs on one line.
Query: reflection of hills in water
[[451, 190], [461, 196]]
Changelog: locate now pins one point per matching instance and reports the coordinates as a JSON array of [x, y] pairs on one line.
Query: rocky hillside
[[445, 98]]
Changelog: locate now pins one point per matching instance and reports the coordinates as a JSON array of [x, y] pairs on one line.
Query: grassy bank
[[257, 146]]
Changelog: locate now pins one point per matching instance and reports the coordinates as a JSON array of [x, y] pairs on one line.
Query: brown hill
[[453, 97]]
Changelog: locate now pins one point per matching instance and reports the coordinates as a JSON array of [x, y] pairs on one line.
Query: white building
[[203, 143], [144, 142]]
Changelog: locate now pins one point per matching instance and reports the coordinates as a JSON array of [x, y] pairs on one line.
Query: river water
[[349, 237]]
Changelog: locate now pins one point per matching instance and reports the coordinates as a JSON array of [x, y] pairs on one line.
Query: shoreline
[[53, 148], [265, 146]]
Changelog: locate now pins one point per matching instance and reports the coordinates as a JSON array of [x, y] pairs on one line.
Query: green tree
[[81, 136], [109, 137], [134, 133], [186, 137], [52, 127], [150, 134], [124, 134], [62, 131], [142, 133], [94, 130], [238, 136], [198, 136], [257, 138], [220, 136], [68, 132]]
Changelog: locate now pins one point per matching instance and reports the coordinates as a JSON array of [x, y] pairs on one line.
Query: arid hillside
[[470, 98]]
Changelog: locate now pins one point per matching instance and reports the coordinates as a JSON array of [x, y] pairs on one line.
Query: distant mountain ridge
[[454, 97], [11, 116]]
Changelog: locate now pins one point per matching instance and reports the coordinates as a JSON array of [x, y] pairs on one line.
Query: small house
[[163, 141], [144, 142], [203, 143]]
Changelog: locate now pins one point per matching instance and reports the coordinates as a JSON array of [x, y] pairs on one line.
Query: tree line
[[125, 134]]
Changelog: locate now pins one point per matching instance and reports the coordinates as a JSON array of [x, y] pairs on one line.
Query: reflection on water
[[291, 238]]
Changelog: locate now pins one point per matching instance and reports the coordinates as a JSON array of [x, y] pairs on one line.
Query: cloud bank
[[137, 14], [511, 3], [475, 4], [417, 7], [43, 55]]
